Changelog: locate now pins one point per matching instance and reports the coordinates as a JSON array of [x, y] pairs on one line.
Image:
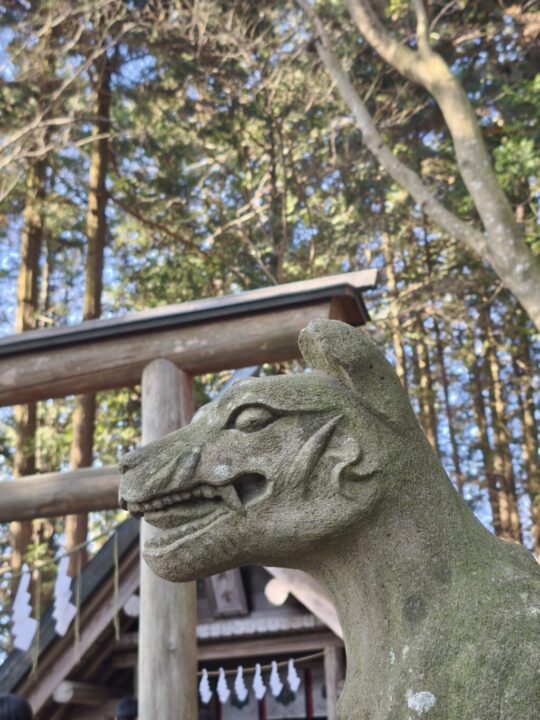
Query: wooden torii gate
[[162, 349]]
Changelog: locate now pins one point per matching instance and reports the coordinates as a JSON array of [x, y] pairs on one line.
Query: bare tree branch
[[503, 245], [240, 220], [422, 25], [129, 209], [26, 143], [402, 58], [400, 172]]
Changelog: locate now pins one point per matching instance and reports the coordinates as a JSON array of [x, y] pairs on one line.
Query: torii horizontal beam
[[205, 336], [60, 493]]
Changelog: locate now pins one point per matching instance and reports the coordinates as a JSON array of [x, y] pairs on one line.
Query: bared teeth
[[231, 498], [227, 493]]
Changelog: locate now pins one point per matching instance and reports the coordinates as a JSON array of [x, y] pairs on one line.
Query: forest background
[[158, 152]]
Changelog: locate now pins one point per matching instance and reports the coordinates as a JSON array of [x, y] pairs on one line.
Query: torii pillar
[[167, 664]]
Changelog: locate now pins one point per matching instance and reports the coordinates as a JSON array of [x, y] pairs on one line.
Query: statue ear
[[351, 466], [351, 357]]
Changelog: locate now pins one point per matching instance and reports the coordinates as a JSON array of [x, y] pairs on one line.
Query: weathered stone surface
[[330, 472]]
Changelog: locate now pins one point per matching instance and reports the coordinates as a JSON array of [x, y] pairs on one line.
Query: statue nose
[[130, 460], [147, 473]]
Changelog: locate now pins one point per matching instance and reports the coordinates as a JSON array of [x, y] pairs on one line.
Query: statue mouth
[[183, 513], [170, 539]]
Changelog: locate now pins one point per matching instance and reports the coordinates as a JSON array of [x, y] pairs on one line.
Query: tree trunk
[[24, 462], [45, 289], [395, 327], [523, 365], [278, 198], [494, 492], [502, 464], [439, 348], [426, 390], [96, 228]]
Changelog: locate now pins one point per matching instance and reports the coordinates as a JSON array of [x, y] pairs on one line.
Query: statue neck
[[395, 584]]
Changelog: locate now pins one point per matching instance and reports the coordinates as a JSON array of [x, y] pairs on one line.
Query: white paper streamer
[[222, 688], [258, 684], [24, 626], [275, 682], [292, 676], [240, 688], [64, 610], [204, 688]]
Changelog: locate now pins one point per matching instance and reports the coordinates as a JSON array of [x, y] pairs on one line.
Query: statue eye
[[253, 418]]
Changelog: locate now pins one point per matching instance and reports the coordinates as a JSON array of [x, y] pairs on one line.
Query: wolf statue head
[[328, 471], [277, 466]]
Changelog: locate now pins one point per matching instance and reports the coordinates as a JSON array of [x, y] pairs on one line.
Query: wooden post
[[333, 676], [167, 680]]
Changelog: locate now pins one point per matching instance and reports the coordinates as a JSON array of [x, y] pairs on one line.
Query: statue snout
[[148, 476], [131, 460]]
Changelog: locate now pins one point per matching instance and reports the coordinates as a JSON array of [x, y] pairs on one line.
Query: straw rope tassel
[[116, 581], [78, 603], [36, 642]]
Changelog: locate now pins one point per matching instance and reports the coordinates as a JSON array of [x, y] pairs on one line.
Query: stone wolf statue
[[330, 472]]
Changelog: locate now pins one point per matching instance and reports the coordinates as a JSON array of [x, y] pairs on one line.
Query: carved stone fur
[[330, 472]]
